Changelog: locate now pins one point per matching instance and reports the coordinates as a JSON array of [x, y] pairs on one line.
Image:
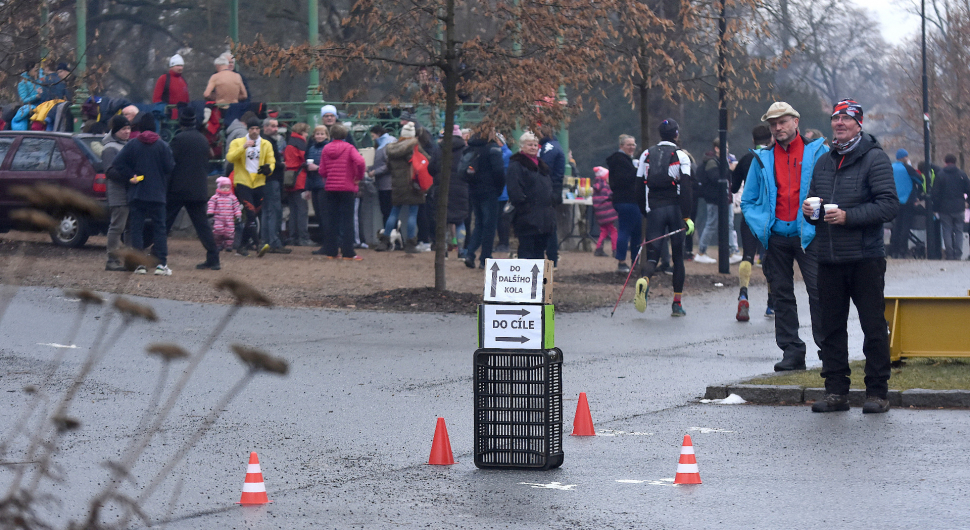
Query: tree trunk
[[444, 183], [644, 114]]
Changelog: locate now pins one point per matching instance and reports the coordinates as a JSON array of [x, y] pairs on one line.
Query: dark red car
[[73, 161]]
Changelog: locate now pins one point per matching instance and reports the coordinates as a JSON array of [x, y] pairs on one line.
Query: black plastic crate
[[518, 408]]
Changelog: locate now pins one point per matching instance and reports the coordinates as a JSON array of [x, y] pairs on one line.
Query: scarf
[[843, 148]]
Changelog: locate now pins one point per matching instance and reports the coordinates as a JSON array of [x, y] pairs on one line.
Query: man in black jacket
[[856, 185], [628, 200], [188, 187], [949, 201]]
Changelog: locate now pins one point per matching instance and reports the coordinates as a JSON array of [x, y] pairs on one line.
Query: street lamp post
[[723, 208], [933, 250], [314, 99]]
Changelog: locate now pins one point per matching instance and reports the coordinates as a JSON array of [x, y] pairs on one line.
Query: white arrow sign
[[514, 280], [512, 326]]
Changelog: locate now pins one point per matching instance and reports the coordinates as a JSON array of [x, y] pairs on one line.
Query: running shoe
[[640, 298], [163, 270], [704, 258], [769, 312], [735, 258], [677, 310], [622, 268], [141, 270], [262, 251], [742, 315]]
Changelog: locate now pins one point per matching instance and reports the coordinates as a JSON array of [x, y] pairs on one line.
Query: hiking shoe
[[677, 310], [622, 268], [262, 251], [769, 312], [163, 270], [141, 270], [833, 403], [704, 258], [875, 405], [599, 253], [206, 265], [640, 298], [242, 252], [115, 266], [742, 315]]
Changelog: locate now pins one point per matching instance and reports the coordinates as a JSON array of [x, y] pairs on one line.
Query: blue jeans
[[629, 229], [272, 214], [486, 222], [154, 212], [412, 224], [709, 235]]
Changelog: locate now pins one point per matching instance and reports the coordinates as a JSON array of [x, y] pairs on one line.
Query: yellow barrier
[[928, 326]]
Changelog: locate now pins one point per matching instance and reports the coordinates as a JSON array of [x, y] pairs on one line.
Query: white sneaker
[[735, 258], [704, 258], [140, 269], [423, 247], [162, 270]]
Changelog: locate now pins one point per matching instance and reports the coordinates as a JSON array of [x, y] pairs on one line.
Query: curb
[[793, 394]]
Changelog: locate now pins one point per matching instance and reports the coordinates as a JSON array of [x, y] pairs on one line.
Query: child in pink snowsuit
[[603, 209], [226, 210]]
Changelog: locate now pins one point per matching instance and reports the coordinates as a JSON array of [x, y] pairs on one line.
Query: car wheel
[[71, 231]]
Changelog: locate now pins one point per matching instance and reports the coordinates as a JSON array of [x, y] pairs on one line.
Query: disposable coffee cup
[[830, 207], [815, 204]]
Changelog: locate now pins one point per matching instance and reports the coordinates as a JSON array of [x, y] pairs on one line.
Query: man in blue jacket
[[147, 163], [777, 183]]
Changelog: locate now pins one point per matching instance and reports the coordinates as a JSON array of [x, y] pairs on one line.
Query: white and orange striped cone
[[254, 491], [687, 472]]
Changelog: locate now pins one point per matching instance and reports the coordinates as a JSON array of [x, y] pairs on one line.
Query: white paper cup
[[830, 207], [815, 204]]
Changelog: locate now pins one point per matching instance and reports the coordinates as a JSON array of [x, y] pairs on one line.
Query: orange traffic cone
[[687, 466], [254, 491], [441, 446], [583, 423]]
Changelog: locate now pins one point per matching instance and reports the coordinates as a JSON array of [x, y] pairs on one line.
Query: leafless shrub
[[132, 310], [34, 218], [86, 296], [245, 294], [134, 258], [260, 360], [168, 352]]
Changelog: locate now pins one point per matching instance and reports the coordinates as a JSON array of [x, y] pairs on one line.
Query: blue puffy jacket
[[761, 192]]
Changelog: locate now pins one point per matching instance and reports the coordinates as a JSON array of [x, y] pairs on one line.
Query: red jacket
[[341, 166], [293, 157], [178, 89]]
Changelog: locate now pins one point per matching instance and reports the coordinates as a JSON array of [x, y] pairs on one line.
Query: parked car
[[73, 161]]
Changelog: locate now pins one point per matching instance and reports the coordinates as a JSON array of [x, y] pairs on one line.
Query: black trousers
[[899, 239], [253, 197], [863, 282], [384, 198], [339, 223], [200, 221], [534, 246], [782, 254], [660, 221]]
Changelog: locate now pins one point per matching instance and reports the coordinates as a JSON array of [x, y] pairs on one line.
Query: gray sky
[[896, 24]]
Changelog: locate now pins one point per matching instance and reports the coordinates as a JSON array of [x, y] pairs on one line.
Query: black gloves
[[265, 170]]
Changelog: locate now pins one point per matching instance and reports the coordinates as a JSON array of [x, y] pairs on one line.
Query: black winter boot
[[410, 246], [791, 361]]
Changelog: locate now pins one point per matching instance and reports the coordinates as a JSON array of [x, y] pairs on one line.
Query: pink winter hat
[[223, 181], [456, 131], [601, 171]]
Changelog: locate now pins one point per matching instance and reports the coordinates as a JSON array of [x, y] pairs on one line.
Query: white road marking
[[56, 345], [660, 482], [707, 430], [551, 486], [614, 432]]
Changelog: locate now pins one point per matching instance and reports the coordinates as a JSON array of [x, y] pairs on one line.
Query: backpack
[[420, 177], [468, 164], [660, 157]]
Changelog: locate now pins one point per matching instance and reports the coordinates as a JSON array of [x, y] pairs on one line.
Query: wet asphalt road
[[343, 440]]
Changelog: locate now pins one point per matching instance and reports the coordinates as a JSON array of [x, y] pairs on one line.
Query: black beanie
[[187, 117], [145, 122], [668, 130], [117, 123], [254, 122]]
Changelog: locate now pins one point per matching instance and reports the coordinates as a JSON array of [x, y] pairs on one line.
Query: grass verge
[[928, 373]]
